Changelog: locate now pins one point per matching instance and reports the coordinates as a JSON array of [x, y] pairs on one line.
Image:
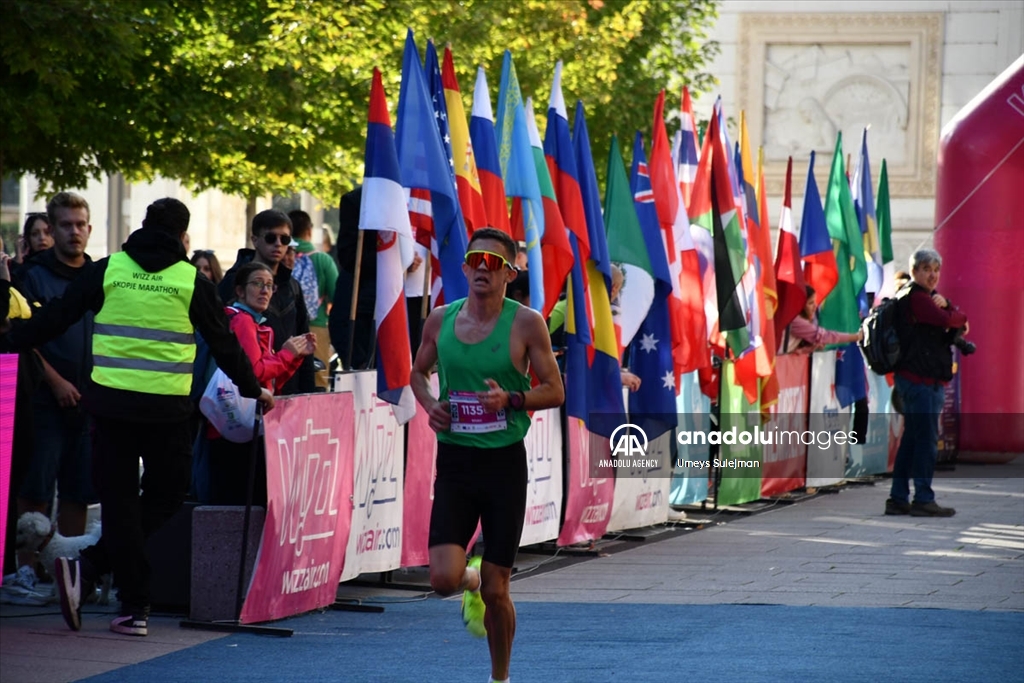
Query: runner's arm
[[549, 393]]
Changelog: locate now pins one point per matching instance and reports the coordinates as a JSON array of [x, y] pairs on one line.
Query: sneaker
[[473, 606], [931, 509], [130, 625], [23, 588], [68, 574], [897, 507]]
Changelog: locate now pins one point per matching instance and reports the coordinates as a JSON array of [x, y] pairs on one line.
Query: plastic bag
[[228, 411]]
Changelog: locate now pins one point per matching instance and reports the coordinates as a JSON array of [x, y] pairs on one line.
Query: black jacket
[[153, 251], [925, 347], [286, 316], [43, 279]]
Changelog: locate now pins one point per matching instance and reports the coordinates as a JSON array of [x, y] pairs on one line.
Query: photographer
[[929, 325]]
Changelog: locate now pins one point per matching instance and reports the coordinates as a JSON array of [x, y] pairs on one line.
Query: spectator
[[929, 325], [148, 301], [36, 236], [254, 286], [62, 461], [358, 353], [317, 273], [804, 334], [522, 258], [289, 261], [519, 289], [206, 263], [286, 315]]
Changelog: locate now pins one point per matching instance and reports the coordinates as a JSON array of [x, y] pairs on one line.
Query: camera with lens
[[966, 347]]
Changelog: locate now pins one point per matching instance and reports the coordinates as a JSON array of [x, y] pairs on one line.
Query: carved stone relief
[[803, 78]]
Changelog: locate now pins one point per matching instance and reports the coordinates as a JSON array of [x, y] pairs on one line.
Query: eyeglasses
[[273, 238], [492, 262], [262, 286]]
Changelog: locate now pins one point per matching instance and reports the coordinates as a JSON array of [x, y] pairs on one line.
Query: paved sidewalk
[[832, 550]]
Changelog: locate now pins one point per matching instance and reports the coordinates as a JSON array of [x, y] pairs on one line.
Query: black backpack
[[882, 334]]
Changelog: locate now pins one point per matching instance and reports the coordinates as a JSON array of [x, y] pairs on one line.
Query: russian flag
[[559, 153], [384, 209], [820, 270], [467, 179], [485, 146]]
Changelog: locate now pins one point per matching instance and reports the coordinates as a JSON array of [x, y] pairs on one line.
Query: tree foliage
[[256, 96]]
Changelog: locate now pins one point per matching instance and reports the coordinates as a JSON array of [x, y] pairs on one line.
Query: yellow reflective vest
[[143, 339]]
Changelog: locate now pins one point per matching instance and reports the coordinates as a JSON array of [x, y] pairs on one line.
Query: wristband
[[516, 400]]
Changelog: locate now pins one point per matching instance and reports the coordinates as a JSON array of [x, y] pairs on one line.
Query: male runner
[[484, 346]]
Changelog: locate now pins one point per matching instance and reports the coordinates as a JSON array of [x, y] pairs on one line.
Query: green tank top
[[462, 369]]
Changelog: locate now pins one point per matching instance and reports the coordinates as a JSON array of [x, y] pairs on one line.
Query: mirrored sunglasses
[[491, 261]]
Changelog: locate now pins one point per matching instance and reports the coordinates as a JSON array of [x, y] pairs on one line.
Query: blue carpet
[[556, 642]]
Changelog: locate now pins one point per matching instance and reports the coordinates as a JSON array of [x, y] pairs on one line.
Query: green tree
[[257, 96]]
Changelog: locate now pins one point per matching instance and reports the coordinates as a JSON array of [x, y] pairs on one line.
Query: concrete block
[[216, 547]]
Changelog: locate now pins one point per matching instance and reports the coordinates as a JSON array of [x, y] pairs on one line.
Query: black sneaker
[[897, 507], [931, 509], [67, 572], [130, 625]]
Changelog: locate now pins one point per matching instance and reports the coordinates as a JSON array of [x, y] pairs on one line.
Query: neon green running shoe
[[473, 606]]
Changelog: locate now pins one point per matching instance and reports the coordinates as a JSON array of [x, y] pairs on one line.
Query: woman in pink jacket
[[804, 335], [254, 285]]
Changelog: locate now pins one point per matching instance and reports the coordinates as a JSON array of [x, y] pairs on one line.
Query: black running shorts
[[485, 484]]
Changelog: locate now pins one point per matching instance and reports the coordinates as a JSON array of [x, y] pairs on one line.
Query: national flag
[[689, 148], [721, 219], [626, 247], [384, 209], [689, 326], [425, 165], [558, 152], [650, 353], [520, 174], [789, 275], [864, 203], [700, 230], [820, 269], [421, 216], [481, 132], [884, 215], [435, 87], [769, 289], [840, 311], [467, 179], [599, 361], [554, 245]]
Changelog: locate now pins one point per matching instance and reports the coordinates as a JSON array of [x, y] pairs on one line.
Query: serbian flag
[[554, 245], [425, 165], [789, 275], [689, 149], [481, 133], [689, 326], [466, 177], [562, 164], [384, 209], [820, 269]]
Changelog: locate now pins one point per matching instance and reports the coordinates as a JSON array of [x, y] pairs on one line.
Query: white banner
[[828, 424], [641, 499], [375, 542], [544, 488]]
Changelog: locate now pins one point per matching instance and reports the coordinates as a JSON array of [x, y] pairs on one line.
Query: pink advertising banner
[[785, 466], [421, 457], [310, 449], [588, 505], [8, 384]]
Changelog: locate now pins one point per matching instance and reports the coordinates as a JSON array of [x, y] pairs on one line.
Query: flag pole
[[355, 297]]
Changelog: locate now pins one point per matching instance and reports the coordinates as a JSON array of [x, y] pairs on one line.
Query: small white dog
[[36, 533]]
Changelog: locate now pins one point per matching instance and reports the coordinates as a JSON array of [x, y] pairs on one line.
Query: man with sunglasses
[[286, 316], [484, 347]]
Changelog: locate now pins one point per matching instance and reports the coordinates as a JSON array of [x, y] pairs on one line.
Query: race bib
[[469, 416]]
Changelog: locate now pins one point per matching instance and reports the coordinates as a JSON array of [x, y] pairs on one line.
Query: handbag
[[228, 411]]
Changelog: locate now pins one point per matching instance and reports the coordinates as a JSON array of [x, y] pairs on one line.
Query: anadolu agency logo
[[629, 449]]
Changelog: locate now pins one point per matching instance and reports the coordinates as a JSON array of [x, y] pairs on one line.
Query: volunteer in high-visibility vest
[[148, 302]]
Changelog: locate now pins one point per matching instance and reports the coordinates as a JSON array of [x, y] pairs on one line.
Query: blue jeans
[[919, 447]]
